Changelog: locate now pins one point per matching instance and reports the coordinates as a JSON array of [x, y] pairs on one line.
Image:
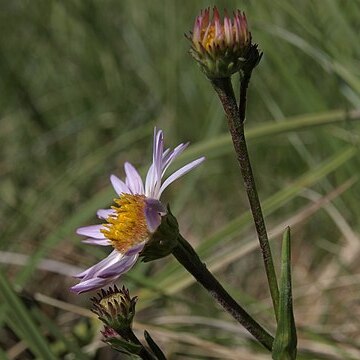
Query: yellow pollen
[[209, 40], [128, 226]]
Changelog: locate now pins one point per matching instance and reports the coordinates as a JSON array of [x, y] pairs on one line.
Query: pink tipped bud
[[221, 46], [217, 24], [228, 31]]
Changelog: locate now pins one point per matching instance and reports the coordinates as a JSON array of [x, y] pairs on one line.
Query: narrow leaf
[[16, 310], [285, 342], [154, 347]]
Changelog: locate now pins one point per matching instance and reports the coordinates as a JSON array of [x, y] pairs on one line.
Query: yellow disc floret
[[208, 41], [127, 227]]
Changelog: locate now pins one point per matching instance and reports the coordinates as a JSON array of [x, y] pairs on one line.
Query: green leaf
[[222, 144], [67, 341], [154, 347], [3, 355], [18, 314], [284, 347], [124, 346]]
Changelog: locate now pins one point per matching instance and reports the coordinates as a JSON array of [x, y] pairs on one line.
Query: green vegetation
[[83, 83]]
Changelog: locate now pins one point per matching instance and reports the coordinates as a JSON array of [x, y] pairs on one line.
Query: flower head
[[221, 47], [134, 217], [115, 308]]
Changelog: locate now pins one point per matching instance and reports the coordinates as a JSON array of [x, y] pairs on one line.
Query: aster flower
[[222, 47], [134, 217]]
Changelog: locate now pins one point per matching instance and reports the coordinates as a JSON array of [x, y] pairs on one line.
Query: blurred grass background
[[83, 83]]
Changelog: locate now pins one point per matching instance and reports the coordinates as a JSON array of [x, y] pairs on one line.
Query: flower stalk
[[168, 240], [116, 309], [189, 259], [130, 345], [212, 41], [236, 117]]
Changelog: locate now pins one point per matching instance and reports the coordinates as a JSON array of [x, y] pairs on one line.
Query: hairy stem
[[188, 258], [236, 118]]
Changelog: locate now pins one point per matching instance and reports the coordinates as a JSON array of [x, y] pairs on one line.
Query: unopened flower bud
[[116, 309], [223, 48]]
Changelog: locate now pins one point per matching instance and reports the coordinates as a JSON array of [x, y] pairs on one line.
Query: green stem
[[187, 257], [144, 353], [236, 118]]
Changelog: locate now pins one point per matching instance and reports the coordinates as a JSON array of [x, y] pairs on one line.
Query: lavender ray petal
[[150, 181], [105, 213], [100, 242], [119, 268], [153, 218], [174, 154], [81, 275], [133, 179], [182, 171], [92, 231], [155, 205], [91, 284], [165, 153], [157, 159], [135, 249], [119, 186], [114, 257], [154, 209]]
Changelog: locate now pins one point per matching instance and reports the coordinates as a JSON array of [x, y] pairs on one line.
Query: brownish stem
[[236, 118], [188, 258]]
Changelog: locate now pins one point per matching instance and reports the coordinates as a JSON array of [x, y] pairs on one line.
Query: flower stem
[[244, 84], [144, 353], [236, 118], [188, 258]]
